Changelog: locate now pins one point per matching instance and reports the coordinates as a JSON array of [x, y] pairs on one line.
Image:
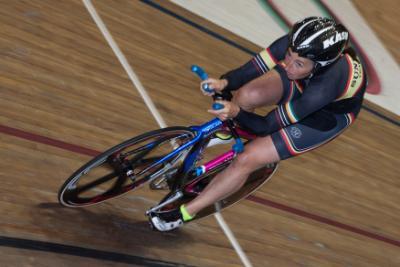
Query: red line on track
[[90, 152], [321, 219], [48, 141]]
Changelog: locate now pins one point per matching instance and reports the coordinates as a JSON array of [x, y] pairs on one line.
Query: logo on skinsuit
[[295, 132]]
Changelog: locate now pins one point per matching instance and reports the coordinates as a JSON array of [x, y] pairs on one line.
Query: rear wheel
[[125, 167], [191, 190], [255, 180]]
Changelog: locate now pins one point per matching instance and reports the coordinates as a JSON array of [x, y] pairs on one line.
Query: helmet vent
[[301, 28]]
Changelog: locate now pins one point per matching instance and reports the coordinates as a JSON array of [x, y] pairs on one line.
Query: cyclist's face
[[297, 67]]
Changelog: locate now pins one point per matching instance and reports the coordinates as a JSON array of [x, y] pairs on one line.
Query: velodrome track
[[65, 97]]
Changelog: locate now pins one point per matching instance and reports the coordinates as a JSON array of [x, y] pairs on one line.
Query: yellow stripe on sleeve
[[268, 59], [355, 80]]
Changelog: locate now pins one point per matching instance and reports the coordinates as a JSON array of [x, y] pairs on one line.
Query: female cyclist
[[317, 84]]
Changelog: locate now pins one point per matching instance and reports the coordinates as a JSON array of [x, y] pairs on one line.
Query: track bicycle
[[173, 159]]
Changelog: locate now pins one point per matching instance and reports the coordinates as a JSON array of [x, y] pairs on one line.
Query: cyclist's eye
[[299, 64]]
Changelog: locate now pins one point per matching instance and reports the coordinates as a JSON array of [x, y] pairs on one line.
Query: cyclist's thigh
[[310, 133], [265, 90]]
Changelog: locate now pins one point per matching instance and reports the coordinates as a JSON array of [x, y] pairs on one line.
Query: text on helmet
[[337, 38]]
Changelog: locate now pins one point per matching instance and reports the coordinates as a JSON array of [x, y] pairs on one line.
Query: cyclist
[[316, 82]]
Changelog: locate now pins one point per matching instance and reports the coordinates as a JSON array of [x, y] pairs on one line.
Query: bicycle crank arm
[[177, 195]]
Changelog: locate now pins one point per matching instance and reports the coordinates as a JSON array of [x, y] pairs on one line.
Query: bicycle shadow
[[104, 228]]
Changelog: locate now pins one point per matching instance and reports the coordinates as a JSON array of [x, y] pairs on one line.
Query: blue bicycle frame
[[202, 132]]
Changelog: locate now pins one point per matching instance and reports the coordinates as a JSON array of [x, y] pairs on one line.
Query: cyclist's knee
[[250, 97], [256, 154], [245, 99], [243, 163]]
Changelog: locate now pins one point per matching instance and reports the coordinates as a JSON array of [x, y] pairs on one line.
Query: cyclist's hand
[[230, 110], [213, 84]]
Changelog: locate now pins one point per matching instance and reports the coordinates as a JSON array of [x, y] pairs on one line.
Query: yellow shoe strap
[[185, 214]]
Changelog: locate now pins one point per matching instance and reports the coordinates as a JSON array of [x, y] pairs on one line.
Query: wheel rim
[[107, 177]]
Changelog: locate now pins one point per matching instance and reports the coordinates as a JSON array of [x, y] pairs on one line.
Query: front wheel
[[124, 167]]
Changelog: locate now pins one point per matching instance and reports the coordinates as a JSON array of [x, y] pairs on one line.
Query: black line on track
[[244, 49], [380, 115], [198, 26], [43, 246]]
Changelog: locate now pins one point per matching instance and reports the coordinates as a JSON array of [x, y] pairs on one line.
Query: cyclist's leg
[[314, 131], [265, 90], [258, 153]]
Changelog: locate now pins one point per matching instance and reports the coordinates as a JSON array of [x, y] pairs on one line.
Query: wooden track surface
[[383, 17], [64, 96]]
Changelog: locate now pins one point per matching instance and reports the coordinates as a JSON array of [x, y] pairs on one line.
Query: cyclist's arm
[[258, 65]]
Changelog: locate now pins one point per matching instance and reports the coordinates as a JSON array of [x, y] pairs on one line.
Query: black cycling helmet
[[319, 39]]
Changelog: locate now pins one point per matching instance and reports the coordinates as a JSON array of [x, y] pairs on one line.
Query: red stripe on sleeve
[[272, 57]]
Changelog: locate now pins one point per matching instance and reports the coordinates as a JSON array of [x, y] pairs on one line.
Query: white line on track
[[135, 80], [149, 103]]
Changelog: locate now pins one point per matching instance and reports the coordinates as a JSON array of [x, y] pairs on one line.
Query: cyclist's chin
[[292, 76]]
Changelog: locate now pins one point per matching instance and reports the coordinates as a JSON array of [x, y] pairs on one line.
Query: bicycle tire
[[255, 180], [70, 192]]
